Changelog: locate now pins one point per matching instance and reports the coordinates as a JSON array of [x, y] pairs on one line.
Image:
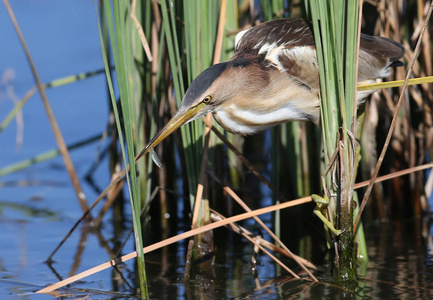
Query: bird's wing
[[286, 45], [287, 33]]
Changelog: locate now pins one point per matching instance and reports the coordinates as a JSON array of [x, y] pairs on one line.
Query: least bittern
[[272, 78]]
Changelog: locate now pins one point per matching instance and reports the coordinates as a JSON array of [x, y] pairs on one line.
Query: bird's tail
[[377, 55]]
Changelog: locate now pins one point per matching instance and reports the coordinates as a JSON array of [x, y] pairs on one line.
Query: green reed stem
[[336, 47], [119, 28]]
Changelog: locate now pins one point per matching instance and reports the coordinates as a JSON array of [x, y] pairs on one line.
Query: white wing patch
[[275, 53], [239, 37], [266, 48]]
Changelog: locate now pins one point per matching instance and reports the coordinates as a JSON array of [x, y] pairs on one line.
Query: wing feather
[[288, 45]]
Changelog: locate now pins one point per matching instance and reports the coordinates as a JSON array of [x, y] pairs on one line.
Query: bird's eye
[[207, 99]]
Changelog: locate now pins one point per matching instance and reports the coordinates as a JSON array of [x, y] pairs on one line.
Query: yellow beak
[[180, 118]]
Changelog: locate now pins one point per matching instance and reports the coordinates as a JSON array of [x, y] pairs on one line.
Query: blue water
[[63, 40]]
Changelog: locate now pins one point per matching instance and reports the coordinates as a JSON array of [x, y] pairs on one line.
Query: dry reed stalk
[[393, 123], [257, 243], [241, 230], [141, 34], [218, 224], [202, 182], [172, 240], [263, 225]]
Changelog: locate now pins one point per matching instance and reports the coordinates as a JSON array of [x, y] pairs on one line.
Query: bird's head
[[207, 92]]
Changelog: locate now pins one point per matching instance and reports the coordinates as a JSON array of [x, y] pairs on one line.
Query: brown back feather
[[376, 53]]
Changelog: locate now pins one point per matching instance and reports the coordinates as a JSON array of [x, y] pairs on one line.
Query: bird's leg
[[321, 210], [322, 203]]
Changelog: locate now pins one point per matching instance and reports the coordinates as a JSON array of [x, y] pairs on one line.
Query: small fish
[[155, 158]]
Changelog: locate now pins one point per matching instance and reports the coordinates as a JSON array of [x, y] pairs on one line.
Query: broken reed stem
[[202, 178], [175, 239], [260, 222], [188, 261], [140, 31], [393, 122], [209, 227], [55, 127], [241, 230], [244, 234]]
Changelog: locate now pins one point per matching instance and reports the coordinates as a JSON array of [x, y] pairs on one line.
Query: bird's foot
[[321, 211]]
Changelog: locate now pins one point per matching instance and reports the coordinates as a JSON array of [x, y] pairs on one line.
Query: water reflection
[[400, 253]]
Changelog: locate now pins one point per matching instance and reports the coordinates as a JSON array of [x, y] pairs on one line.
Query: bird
[[272, 78]]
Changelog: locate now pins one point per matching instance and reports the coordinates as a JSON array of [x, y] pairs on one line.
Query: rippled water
[[400, 264]]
